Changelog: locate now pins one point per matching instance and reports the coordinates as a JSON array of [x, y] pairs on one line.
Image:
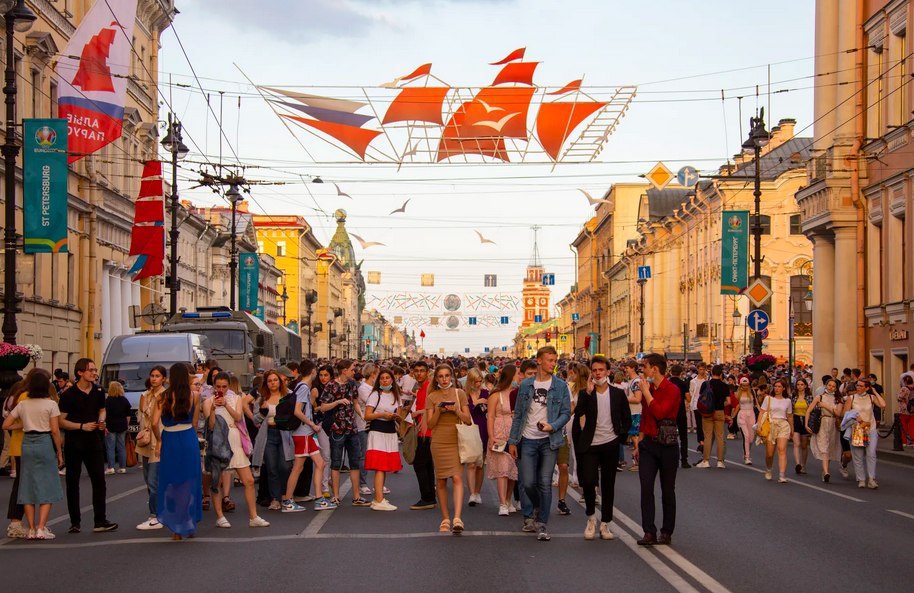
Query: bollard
[[896, 444]]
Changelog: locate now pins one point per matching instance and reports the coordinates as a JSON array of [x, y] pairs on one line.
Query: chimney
[[787, 128], [780, 134], [242, 206]]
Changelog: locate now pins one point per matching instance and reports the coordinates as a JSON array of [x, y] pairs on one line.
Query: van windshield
[[224, 341], [132, 375]]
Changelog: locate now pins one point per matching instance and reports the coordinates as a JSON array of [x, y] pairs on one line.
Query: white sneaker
[[703, 465], [768, 475], [386, 490], [384, 505], [44, 534], [109, 471], [258, 522], [720, 465], [150, 524], [122, 470], [223, 523], [605, 533], [861, 484], [590, 530], [503, 510], [16, 530], [365, 490], [514, 507]]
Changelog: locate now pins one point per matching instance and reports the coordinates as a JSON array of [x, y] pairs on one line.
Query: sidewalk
[[884, 451]]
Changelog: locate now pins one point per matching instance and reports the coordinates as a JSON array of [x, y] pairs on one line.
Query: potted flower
[[762, 362], [15, 357]]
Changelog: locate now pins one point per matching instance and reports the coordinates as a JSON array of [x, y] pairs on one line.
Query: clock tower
[[536, 298]]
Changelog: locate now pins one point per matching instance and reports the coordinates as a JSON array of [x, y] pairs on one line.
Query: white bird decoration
[[366, 244], [484, 240], [393, 84], [487, 107], [401, 209], [497, 125], [593, 201], [340, 192]]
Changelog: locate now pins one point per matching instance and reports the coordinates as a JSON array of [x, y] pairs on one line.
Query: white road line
[[323, 516], [789, 480], [651, 559], [909, 516]]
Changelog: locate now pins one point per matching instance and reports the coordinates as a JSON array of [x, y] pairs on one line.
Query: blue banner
[[248, 280], [44, 201]]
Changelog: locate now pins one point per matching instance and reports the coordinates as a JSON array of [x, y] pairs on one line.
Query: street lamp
[[791, 340], [641, 283], [736, 319], [758, 137], [173, 144], [17, 17], [599, 325], [310, 299], [574, 345], [330, 337], [233, 196], [285, 297]]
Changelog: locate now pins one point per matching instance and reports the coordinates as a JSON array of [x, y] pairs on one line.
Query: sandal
[[458, 526], [206, 503], [227, 505], [445, 526]]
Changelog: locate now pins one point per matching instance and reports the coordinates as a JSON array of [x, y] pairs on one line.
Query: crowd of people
[[531, 426]]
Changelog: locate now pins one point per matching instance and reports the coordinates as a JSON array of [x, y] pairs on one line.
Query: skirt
[[180, 495], [383, 453], [39, 482], [501, 465]]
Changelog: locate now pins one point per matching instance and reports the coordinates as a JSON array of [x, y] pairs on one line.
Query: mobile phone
[[540, 426], [445, 404]]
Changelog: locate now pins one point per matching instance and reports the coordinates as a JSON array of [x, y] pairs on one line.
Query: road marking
[[790, 480], [323, 516], [909, 516], [651, 559]]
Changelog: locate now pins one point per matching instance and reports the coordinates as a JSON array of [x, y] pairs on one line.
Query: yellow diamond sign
[[758, 292], [660, 176]]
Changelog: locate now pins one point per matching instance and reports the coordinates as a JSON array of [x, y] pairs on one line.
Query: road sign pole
[[641, 283]]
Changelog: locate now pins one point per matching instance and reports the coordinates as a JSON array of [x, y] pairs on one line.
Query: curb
[[896, 456]]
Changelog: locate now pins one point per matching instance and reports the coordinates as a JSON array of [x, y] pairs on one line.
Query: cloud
[[294, 19]]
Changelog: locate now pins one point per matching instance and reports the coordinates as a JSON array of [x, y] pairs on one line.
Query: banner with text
[[44, 200], [734, 252], [248, 279]]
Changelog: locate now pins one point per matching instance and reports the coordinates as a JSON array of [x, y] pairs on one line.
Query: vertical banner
[[248, 279], [734, 252], [44, 200]]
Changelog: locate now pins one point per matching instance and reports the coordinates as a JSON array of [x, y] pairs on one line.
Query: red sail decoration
[[423, 70], [517, 54], [574, 85], [501, 103], [519, 72], [149, 211], [455, 143], [417, 104], [147, 238], [556, 121], [355, 138]]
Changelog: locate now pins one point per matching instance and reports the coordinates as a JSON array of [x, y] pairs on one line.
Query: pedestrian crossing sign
[[505, 320], [548, 279], [471, 321]]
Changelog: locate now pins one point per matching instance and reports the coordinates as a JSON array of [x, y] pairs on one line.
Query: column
[[826, 47], [106, 307], [845, 34], [845, 289], [823, 311]]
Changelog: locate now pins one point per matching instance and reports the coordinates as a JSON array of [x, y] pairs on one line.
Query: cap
[[744, 381], [285, 372]]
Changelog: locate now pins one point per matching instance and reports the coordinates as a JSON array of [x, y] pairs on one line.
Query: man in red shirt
[[660, 403], [423, 464]]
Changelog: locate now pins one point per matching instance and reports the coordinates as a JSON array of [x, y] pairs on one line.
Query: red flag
[[517, 54], [422, 70], [422, 333]]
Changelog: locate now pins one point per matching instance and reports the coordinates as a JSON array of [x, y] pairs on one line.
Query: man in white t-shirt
[[694, 391], [369, 374]]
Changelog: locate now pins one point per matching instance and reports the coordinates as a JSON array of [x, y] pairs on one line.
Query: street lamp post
[[599, 325], [574, 344], [791, 340], [758, 137], [641, 283], [285, 297], [330, 337], [310, 299], [736, 319], [234, 196], [173, 144], [17, 17]]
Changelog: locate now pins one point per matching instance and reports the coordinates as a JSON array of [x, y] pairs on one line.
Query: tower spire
[[535, 261]]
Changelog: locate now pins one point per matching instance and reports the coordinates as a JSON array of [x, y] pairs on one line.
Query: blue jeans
[[274, 461], [363, 448], [151, 477], [537, 462], [116, 447]]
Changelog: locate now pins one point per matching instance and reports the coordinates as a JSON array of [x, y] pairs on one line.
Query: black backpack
[[285, 418]]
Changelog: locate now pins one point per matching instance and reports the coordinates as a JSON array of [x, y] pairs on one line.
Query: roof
[[792, 154], [663, 202]]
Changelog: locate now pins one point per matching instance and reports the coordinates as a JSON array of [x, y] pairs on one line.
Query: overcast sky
[[680, 53]]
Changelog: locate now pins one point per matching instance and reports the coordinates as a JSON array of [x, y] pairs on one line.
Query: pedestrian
[[578, 379], [15, 511], [226, 405], [865, 433], [37, 415], [382, 412], [713, 425], [633, 391], [602, 418], [147, 443], [658, 451], [445, 406], [745, 417], [780, 410], [543, 408], [117, 410], [682, 417], [478, 399], [339, 402], [273, 449], [500, 466], [423, 464], [826, 444], [82, 416], [180, 493], [325, 375], [801, 399], [694, 392], [369, 373], [906, 410]]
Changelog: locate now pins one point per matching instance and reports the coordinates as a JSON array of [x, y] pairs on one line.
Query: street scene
[[513, 295]]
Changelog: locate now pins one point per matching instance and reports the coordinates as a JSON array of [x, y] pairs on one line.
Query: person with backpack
[[694, 389], [712, 399], [325, 376], [273, 449]]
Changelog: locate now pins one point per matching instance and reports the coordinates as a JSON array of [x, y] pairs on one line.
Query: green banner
[[248, 279], [734, 252], [44, 200]]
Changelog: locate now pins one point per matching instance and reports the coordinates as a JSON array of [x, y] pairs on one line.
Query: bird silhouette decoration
[[483, 240], [340, 192], [366, 244], [401, 209], [592, 200]]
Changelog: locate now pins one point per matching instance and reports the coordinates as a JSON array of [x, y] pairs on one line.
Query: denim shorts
[[352, 445]]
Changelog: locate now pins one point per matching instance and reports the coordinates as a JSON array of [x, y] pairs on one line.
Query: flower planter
[[13, 362]]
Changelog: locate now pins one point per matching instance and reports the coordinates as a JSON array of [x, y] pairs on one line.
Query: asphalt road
[[735, 532]]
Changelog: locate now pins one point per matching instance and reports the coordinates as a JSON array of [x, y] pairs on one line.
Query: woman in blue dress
[[180, 494]]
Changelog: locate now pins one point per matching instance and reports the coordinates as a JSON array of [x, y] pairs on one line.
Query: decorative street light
[[285, 297], [736, 319], [758, 137], [17, 17], [310, 299], [599, 325], [641, 283], [330, 336], [233, 196], [574, 346], [172, 143]]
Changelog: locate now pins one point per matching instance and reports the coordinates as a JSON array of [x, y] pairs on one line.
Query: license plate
[[133, 428]]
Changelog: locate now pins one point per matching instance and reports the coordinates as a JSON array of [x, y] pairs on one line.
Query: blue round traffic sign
[[757, 320], [687, 176]]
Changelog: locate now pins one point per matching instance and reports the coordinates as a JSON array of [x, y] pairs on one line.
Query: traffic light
[[548, 336]]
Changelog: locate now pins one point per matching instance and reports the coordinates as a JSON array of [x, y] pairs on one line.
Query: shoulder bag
[[469, 442], [764, 424], [815, 418]]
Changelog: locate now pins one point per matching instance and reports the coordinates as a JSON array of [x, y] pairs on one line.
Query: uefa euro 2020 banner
[[734, 250], [248, 280], [44, 203]]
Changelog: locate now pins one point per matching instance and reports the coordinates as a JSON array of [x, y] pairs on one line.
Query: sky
[[683, 55]]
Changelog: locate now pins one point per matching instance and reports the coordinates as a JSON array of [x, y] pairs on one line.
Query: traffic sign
[[687, 177], [563, 338], [471, 321], [537, 319], [575, 317], [758, 292], [660, 176], [644, 272], [548, 279], [764, 333], [639, 356], [466, 350], [487, 349], [757, 320], [504, 320], [504, 348]]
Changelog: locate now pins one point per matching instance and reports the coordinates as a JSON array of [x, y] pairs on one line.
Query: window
[[53, 96], [764, 221], [903, 75], [280, 249], [796, 228], [259, 246], [36, 93], [802, 315]]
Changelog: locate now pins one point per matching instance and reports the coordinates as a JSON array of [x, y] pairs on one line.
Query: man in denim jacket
[[542, 410]]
